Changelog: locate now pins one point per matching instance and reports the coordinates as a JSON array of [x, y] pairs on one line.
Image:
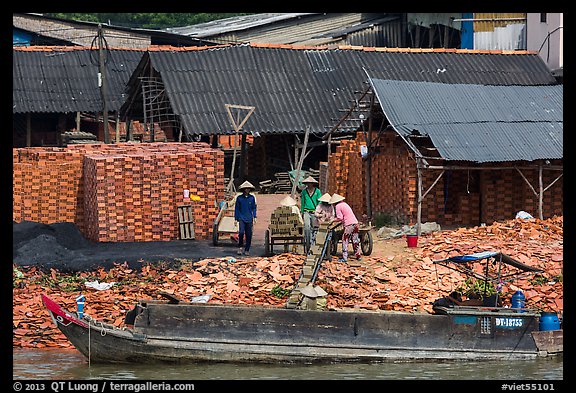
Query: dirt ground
[[61, 246]]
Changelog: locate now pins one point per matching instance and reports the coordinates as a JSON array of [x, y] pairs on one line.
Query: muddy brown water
[[69, 364]]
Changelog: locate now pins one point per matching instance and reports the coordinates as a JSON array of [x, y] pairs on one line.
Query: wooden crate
[[186, 222]]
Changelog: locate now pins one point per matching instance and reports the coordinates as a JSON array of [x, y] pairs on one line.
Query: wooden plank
[[551, 341], [186, 222]]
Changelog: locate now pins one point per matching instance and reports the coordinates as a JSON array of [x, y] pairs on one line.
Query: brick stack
[[355, 189], [121, 192], [339, 166], [47, 186], [323, 177], [392, 172], [286, 221]]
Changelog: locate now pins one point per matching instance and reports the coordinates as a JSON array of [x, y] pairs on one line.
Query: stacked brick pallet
[[338, 174], [121, 192], [286, 221], [47, 186], [393, 180]]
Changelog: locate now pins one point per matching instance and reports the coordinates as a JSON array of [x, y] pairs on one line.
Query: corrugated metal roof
[[53, 80], [293, 88], [475, 122], [234, 23]]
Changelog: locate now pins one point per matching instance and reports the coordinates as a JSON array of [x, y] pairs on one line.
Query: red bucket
[[412, 240]]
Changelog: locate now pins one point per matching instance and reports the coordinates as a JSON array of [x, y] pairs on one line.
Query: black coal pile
[[63, 247], [47, 245]]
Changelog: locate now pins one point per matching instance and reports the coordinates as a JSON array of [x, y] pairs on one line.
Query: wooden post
[[328, 166], [292, 193], [243, 158], [369, 163], [117, 127], [237, 126], [540, 192], [419, 190], [103, 85], [128, 129], [78, 121]]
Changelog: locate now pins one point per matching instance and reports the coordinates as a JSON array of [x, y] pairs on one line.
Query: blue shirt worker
[[245, 214]]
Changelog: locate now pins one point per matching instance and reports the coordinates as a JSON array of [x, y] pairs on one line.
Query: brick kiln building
[[460, 137], [456, 154], [453, 136]]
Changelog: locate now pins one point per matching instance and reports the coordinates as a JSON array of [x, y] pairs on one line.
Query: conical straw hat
[[336, 198], [310, 179], [246, 184], [325, 198], [288, 201]]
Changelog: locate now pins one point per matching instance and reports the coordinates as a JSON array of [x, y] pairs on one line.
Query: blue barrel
[[549, 321], [518, 300]]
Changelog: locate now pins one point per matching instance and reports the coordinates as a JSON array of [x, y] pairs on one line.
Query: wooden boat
[[166, 331]]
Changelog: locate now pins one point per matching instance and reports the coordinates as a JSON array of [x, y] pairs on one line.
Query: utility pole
[[102, 83]]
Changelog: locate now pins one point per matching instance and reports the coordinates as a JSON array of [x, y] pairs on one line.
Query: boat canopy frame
[[461, 263]]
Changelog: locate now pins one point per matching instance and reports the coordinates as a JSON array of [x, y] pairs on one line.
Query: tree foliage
[[145, 20]]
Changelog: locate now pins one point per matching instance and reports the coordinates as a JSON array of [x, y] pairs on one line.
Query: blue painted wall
[[21, 38], [467, 32]]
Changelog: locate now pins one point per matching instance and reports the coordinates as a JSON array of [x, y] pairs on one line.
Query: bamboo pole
[[300, 162]]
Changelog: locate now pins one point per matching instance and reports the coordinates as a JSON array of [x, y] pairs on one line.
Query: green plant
[[476, 289], [383, 219], [280, 292]]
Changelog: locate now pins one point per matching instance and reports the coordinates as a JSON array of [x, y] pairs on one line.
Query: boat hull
[[194, 332]]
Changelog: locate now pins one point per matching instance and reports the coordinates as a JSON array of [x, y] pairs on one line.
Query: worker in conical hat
[[344, 214], [308, 202], [288, 201], [309, 179], [245, 215], [324, 211], [246, 184]]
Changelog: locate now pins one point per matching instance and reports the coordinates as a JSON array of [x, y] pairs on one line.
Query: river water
[[71, 365]]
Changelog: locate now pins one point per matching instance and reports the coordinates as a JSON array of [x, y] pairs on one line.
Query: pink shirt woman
[[349, 221], [345, 214]]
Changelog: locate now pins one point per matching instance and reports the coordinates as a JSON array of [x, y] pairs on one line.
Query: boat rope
[[103, 328]]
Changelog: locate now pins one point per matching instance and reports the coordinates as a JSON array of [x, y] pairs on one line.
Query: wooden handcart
[[365, 235], [224, 224], [281, 240]]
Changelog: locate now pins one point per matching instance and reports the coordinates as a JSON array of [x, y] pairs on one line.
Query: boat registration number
[[509, 322]]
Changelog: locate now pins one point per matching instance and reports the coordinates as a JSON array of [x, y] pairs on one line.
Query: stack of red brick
[[119, 192]]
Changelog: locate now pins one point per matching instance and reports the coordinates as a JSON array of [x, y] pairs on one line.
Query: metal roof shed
[[63, 81], [475, 124]]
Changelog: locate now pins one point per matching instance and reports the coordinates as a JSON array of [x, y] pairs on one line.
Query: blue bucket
[[549, 321]]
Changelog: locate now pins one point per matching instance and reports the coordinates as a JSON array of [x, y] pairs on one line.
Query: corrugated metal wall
[[506, 33], [292, 32]]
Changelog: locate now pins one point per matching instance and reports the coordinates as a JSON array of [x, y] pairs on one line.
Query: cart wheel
[[267, 250], [215, 234], [366, 243], [334, 245]]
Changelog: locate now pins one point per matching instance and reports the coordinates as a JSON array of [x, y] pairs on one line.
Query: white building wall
[[547, 38]]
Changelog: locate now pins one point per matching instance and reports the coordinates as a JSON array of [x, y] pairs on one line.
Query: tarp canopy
[[466, 264]]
